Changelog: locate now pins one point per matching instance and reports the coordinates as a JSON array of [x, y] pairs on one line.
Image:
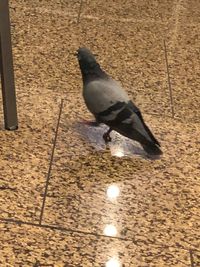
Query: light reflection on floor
[[120, 146], [113, 262], [110, 230], [112, 192]]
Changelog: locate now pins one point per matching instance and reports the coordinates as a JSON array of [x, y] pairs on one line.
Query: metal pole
[[6, 69]]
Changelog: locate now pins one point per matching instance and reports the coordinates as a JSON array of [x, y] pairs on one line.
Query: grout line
[[60, 228], [179, 119], [79, 12], [51, 163], [191, 258], [169, 81], [72, 14], [176, 14]]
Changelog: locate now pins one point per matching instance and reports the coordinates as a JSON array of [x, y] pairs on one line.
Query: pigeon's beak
[[77, 54]]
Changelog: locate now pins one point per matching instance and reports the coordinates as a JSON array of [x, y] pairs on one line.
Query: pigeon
[[110, 104]]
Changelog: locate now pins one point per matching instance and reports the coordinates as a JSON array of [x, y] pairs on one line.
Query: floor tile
[[25, 155], [189, 11], [158, 201], [184, 71], [38, 59], [69, 7], [33, 246], [196, 257], [129, 10]]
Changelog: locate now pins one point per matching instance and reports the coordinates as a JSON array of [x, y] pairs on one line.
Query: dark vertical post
[[6, 68]]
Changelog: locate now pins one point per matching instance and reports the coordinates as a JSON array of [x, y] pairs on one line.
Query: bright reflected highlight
[[110, 230], [113, 263], [119, 152], [113, 191]]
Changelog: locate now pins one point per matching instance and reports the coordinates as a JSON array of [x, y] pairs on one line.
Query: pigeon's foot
[[106, 136], [91, 123]]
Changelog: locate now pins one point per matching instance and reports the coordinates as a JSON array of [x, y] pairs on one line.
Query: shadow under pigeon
[[120, 146]]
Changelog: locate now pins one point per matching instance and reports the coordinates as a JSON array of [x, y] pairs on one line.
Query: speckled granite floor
[[66, 199]]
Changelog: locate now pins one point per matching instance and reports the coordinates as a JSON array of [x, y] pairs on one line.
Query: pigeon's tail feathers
[[139, 115], [146, 137], [149, 144], [152, 149]]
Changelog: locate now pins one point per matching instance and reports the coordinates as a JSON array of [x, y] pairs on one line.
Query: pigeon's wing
[[101, 95], [139, 114], [126, 118]]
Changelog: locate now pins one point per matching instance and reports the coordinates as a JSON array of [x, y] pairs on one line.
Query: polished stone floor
[[65, 198]]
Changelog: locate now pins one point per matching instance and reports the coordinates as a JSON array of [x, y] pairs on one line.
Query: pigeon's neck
[[93, 73]]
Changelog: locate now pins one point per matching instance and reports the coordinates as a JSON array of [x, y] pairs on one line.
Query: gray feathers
[[110, 104], [101, 94]]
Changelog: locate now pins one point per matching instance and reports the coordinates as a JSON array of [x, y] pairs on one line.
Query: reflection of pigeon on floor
[[92, 135], [119, 146]]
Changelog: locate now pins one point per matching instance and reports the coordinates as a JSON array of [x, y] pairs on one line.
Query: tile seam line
[[73, 14], [191, 258], [64, 229], [51, 162], [169, 81], [80, 11]]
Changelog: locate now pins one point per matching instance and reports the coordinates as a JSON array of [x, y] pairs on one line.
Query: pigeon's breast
[[99, 95]]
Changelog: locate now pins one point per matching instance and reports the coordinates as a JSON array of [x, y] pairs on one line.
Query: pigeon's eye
[[78, 56]]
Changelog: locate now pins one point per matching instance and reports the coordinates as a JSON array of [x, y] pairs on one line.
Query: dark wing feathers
[[123, 111], [117, 106], [137, 111]]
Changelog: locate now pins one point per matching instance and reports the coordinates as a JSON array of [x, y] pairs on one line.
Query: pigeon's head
[[86, 59], [85, 54], [90, 68]]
